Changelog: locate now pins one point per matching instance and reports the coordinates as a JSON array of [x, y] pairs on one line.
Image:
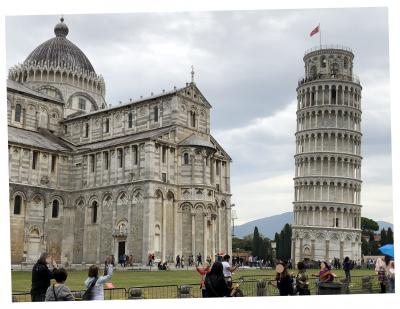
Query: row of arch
[[48, 73], [328, 166], [331, 94], [325, 235], [338, 190], [329, 119], [334, 141], [327, 216]]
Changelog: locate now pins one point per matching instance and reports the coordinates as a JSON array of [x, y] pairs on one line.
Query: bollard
[[261, 287], [328, 288], [366, 284], [184, 291], [135, 293]]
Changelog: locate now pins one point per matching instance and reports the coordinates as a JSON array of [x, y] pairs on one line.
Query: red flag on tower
[[316, 30]]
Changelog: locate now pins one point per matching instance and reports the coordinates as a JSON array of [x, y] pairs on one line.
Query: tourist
[[227, 270], [121, 260], [325, 273], [203, 272], [215, 283], [302, 280], [390, 273], [347, 266], [209, 260], [41, 276], [59, 291], [199, 259], [380, 269], [178, 261], [284, 281], [182, 261], [94, 283]]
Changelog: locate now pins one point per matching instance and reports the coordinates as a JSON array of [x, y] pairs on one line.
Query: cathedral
[[87, 179]]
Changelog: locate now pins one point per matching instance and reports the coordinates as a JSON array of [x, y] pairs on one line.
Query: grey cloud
[[247, 64]]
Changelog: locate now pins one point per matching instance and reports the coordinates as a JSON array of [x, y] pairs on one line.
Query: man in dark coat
[[41, 276]]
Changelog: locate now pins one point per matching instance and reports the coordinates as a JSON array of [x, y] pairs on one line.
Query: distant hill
[[384, 225], [266, 226]]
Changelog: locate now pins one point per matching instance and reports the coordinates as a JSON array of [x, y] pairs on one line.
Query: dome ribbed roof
[[59, 51]]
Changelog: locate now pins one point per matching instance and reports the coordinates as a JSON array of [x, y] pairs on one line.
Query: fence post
[[135, 293], [184, 291], [366, 285], [261, 290]]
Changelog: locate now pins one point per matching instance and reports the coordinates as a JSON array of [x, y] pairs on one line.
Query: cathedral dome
[[60, 52]]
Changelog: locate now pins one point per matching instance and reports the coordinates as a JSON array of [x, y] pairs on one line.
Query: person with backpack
[[380, 270], [41, 276], [95, 284], [302, 280], [347, 266], [59, 291]]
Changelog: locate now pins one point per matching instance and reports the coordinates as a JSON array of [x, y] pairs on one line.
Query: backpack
[[89, 291]]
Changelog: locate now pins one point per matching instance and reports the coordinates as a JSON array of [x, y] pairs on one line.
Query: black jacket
[[285, 286], [216, 287], [41, 276]]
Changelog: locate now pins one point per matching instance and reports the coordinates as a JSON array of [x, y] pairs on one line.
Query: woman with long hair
[[215, 283], [284, 280], [95, 284], [41, 276], [325, 273]]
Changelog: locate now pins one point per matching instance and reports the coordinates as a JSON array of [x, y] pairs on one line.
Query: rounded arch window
[[94, 212], [17, 205], [186, 158], [55, 209], [17, 116]]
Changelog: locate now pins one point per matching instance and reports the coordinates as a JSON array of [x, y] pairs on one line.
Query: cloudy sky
[[247, 64]]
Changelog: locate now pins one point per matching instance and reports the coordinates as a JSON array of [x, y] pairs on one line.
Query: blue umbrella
[[387, 250]]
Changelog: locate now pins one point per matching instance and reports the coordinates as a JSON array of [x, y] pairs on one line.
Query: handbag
[[54, 292], [88, 293]]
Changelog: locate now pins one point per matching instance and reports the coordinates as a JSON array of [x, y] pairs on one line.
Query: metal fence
[[254, 285]]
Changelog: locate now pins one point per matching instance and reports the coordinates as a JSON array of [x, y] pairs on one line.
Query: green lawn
[[21, 281]]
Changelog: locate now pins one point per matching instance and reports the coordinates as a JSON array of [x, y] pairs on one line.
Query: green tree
[[390, 236], [267, 248], [257, 243], [245, 243], [383, 237], [368, 225], [276, 240], [287, 241], [365, 250]]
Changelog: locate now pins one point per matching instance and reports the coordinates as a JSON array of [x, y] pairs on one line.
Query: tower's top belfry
[[328, 62]]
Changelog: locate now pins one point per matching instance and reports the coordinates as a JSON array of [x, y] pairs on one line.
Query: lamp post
[[234, 217]]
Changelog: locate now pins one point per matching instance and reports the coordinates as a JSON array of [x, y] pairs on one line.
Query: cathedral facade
[[87, 179], [327, 183]]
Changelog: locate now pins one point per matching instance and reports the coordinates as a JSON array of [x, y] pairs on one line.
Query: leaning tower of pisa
[[327, 209]]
